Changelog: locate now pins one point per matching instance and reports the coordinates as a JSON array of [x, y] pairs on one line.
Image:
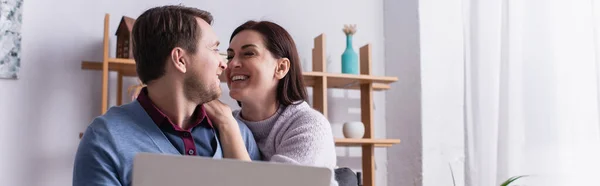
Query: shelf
[[334, 80], [122, 61], [349, 81], [345, 81], [125, 66], [360, 142]]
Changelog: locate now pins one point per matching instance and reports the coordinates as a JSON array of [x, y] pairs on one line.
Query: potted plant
[[505, 183]]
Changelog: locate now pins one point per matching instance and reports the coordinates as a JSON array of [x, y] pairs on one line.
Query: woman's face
[[251, 68]]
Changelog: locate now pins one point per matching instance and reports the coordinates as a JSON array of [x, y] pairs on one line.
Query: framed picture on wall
[[10, 38]]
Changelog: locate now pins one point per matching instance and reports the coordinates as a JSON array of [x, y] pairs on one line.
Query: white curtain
[[532, 91]]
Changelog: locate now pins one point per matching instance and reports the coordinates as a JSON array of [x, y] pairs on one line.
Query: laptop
[[174, 170]]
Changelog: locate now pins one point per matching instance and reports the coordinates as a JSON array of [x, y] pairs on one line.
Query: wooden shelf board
[[360, 142], [349, 81], [334, 80], [345, 81], [125, 61], [123, 65]]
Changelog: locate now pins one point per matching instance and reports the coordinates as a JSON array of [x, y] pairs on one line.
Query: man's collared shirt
[[199, 139]]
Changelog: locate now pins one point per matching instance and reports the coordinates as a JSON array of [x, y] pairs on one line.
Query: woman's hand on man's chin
[[220, 114]]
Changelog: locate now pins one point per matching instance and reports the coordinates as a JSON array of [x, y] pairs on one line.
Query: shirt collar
[[159, 117]]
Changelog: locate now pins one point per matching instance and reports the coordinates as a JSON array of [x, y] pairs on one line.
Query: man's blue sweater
[[109, 144]]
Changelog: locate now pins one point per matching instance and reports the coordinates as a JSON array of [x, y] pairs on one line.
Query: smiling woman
[[265, 76]]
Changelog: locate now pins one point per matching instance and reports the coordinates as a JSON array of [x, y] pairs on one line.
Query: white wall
[[442, 91], [42, 113], [403, 108]]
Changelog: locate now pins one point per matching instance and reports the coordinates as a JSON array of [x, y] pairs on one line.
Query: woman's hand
[[219, 114], [229, 131]]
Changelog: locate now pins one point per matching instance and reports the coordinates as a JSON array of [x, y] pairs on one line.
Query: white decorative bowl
[[354, 129]]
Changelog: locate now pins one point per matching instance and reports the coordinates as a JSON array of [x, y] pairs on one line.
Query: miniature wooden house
[[124, 44]]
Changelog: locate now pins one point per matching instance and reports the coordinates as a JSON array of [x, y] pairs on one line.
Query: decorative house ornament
[[354, 129], [349, 57], [124, 44]]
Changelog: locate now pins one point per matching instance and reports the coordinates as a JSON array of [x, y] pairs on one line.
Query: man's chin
[[216, 95], [209, 96]]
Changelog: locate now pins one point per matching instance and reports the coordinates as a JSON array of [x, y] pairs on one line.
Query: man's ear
[[177, 59], [282, 68]]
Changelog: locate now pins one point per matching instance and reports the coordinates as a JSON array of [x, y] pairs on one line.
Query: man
[[176, 56]]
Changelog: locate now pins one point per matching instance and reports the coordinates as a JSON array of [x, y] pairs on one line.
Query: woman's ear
[[283, 66], [178, 60]]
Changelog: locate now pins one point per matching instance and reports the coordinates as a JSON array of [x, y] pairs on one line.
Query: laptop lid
[[164, 169]]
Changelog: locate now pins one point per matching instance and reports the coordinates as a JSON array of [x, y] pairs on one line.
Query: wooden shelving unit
[[319, 79]]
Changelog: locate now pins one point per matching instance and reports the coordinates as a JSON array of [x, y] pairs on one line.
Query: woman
[[265, 77]]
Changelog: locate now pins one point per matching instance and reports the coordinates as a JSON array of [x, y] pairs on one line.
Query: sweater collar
[[261, 129]]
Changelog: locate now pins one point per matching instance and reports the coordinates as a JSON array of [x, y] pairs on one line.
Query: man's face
[[206, 65]]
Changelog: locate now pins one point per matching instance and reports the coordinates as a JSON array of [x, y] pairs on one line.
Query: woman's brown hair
[[278, 41]]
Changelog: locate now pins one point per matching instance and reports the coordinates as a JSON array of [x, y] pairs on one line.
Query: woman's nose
[[234, 63]]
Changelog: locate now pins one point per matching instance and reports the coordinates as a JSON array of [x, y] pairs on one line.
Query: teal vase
[[349, 58]]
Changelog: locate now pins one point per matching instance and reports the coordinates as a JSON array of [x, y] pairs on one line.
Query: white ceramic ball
[[354, 129]]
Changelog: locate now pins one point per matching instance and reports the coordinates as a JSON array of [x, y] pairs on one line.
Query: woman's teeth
[[239, 78]]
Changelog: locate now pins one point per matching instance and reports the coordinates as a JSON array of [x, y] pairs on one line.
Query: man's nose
[[222, 63]]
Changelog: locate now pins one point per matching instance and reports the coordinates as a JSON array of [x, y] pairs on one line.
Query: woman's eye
[[249, 53]]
